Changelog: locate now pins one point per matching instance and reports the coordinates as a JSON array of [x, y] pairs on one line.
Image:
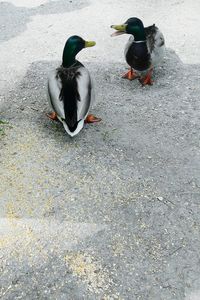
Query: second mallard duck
[[144, 50]]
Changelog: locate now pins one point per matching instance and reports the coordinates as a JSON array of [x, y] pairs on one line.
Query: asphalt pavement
[[114, 212]]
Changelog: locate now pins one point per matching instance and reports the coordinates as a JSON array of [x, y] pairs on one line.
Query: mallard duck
[[144, 50], [70, 89]]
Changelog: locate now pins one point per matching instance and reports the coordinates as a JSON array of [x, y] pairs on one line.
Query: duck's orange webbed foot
[[147, 79], [130, 75], [53, 116], [92, 119]]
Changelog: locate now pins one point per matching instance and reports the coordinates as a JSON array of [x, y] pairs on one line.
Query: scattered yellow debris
[[84, 267]]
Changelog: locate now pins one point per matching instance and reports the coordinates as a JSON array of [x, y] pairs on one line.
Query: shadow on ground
[[135, 175], [13, 19]]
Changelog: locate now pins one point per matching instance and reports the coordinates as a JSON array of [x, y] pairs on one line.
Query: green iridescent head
[[72, 47], [132, 26]]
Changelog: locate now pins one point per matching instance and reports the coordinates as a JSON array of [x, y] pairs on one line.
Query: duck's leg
[[147, 79], [52, 116], [92, 119], [130, 75]]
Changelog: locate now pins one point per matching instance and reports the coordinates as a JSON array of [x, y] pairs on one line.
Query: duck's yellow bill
[[89, 44], [121, 29]]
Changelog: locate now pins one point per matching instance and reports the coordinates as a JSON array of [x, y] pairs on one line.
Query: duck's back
[[70, 94]]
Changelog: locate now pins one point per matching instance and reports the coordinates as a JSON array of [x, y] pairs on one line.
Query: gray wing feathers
[[155, 38], [85, 91], [155, 43], [54, 88]]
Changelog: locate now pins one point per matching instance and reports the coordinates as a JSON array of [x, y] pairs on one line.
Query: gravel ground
[[114, 212]]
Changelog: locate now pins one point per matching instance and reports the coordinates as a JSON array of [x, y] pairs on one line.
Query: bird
[[70, 89], [144, 49]]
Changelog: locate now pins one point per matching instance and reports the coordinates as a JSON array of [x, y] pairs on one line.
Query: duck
[[144, 50], [70, 89]]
